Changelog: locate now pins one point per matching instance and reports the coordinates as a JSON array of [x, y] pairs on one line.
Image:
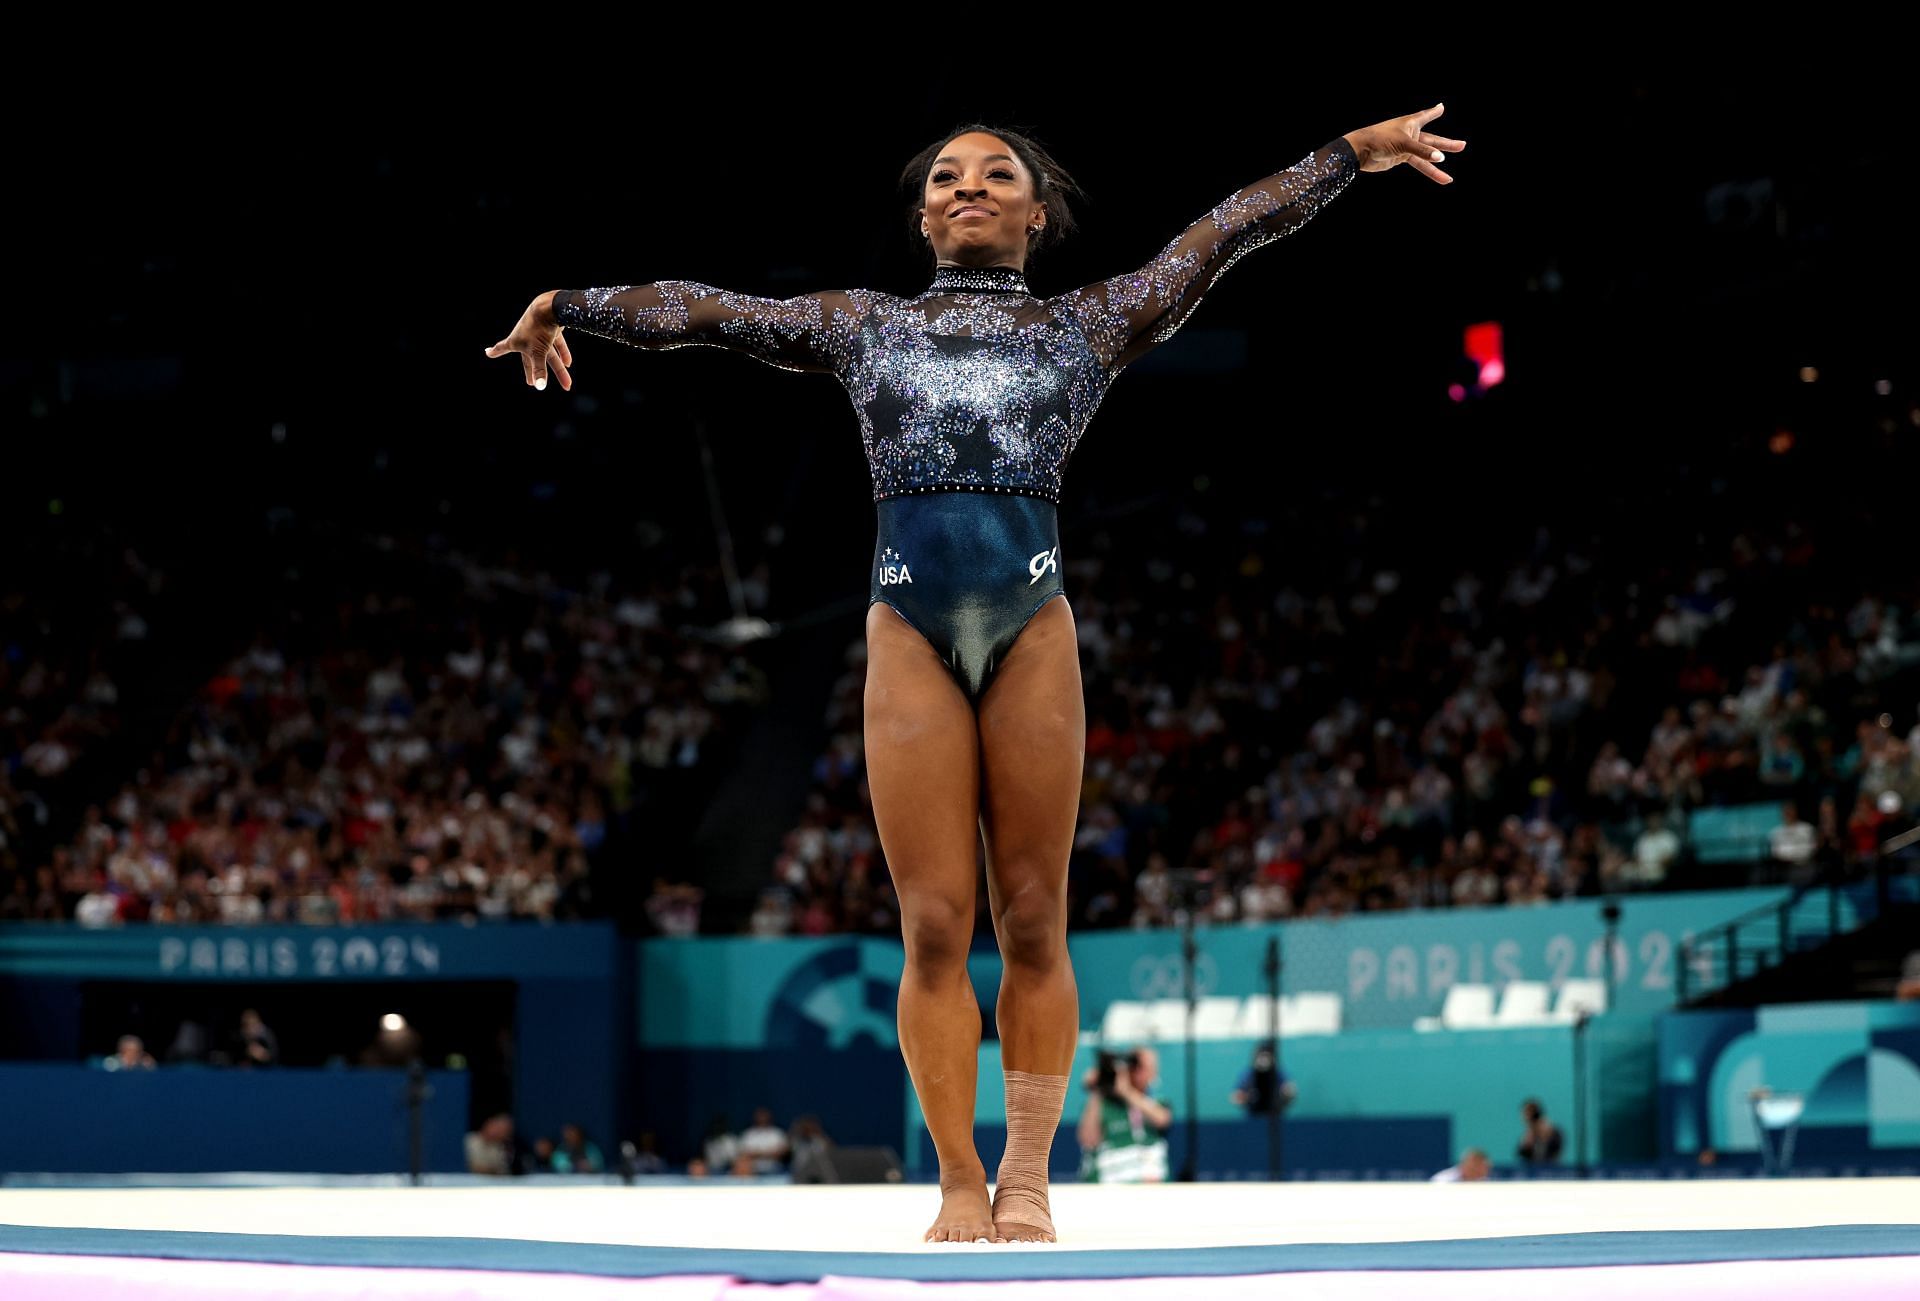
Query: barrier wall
[[1396, 1099], [809, 1024], [573, 990], [84, 1120], [663, 1034]]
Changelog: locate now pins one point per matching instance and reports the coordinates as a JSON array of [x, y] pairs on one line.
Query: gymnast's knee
[[938, 932], [1033, 932]]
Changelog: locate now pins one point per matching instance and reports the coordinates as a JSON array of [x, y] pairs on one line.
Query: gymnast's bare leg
[[1033, 743], [923, 769]]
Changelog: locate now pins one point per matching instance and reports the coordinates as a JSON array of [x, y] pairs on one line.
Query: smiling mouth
[[969, 212]]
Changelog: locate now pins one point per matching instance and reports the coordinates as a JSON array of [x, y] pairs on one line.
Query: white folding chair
[[1468, 1007], [1216, 1018], [1588, 995], [1523, 1002], [1125, 1021], [1256, 1017], [1315, 1013], [1167, 1019]]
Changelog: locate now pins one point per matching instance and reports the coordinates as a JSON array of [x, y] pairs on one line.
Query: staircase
[[1823, 943]]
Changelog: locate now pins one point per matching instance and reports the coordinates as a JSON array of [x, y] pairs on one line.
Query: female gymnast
[[971, 395]]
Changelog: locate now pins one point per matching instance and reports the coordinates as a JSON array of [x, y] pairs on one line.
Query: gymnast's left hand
[[1402, 140]]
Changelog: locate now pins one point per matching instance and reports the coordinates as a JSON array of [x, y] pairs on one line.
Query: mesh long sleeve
[[809, 332], [1129, 314]]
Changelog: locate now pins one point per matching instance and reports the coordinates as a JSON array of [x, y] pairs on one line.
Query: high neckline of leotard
[[978, 280]]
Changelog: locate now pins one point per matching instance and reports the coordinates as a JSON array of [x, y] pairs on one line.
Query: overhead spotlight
[[393, 1023]]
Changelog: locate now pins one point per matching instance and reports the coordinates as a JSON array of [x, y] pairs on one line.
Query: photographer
[[1264, 1086], [1540, 1140], [1123, 1130]]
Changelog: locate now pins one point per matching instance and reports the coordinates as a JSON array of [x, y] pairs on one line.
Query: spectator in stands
[[646, 1158], [674, 908], [490, 1149], [538, 1159], [812, 1161], [189, 1043], [1473, 1166], [1909, 987], [577, 1154], [1264, 1086], [720, 1145], [254, 1043], [1793, 843], [99, 906], [1654, 852], [1153, 894], [764, 1143], [774, 914], [1540, 1140], [1784, 766], [130, 1054]]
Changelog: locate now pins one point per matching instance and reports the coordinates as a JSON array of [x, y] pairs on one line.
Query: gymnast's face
[[979, 203]]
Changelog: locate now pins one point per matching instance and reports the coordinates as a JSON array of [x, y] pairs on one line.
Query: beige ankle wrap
[[1033, 1116]]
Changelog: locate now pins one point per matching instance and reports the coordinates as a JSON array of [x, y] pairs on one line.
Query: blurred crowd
[[1262, 746], [421, 750], [803, 1151], [70, 641], [1374, 724]]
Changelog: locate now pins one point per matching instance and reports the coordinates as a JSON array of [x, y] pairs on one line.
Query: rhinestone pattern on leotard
[[974, 384]]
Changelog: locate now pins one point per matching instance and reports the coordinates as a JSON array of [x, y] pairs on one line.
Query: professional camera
[[1108, 1070]]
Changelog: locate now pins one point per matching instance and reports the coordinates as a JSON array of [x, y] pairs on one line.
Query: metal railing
[[1806, 919]]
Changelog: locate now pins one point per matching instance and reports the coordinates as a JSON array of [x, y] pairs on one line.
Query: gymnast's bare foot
[[965, 1213], [1022, 1215]]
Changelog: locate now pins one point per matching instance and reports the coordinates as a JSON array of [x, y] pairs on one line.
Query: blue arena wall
[[809, 1024], [573, 991], [85, 1120], [663, 1034]]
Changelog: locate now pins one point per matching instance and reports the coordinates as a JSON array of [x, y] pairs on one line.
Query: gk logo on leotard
[[1040, 564], [893, 568]]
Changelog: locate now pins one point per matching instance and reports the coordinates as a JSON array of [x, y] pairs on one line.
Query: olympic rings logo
[[1165, 976]]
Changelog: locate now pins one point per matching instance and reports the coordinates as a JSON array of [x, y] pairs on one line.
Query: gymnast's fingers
[[560, 346], [1432, 171], [559, 368]]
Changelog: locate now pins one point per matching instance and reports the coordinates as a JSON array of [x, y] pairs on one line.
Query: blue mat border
[[1565, 1251]]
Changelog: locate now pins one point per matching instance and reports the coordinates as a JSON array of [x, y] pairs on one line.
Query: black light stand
[[1274, 1155], [1610, 918], [418, 1091], [1580, 1018], [1190, 951]]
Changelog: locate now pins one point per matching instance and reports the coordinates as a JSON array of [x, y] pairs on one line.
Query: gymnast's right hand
[[539, 340]]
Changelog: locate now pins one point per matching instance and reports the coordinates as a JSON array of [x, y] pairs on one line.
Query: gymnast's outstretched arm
[[1128, 314], [808, 332]]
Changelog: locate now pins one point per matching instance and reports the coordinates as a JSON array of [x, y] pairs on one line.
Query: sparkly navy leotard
[[971, 396]]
